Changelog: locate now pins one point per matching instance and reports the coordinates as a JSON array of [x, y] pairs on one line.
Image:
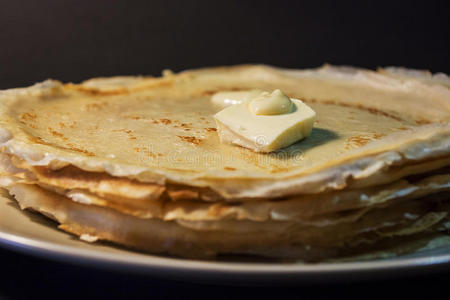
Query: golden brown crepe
[[202, 239], [323, 208], [137, 160]]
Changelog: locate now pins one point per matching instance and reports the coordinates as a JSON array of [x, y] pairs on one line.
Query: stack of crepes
[[137, 161]]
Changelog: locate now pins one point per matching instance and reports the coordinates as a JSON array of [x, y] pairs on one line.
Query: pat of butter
[[266, 122], [225, 99]]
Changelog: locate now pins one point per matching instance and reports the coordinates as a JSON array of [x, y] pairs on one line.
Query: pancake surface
[[147, 149]]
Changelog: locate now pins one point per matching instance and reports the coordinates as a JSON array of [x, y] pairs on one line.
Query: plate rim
[[182, 269]]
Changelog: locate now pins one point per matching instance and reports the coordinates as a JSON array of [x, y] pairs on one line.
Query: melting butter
[[275, 103], [265, 122]]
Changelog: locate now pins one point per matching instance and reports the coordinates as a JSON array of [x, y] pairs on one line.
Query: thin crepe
[[207, 239], [160, 130], [316, 209]]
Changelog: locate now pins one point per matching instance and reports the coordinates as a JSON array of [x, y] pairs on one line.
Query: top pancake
[[161, 130]]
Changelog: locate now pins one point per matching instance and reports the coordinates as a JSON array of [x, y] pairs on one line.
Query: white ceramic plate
[[33, 234]]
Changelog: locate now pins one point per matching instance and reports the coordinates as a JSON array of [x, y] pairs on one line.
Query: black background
[[74, 40], [26, 277]]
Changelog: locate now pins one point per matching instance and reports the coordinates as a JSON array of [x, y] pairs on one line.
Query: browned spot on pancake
[[147, 153], [252, 158], [377, 136], [28, 119], [57, 134], [357, 141], [62, 125], [132, 117], [127, 131], [402, 128], [208, 92], [76, 149], [230, 168], [211, 129], [37, 140], [122, 130], [422, 121], [380, 112], [165, 121], [361, 140], [31, 125], [190, 139], [28, 116], [185, 125]]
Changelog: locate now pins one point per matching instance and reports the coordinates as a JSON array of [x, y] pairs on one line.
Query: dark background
[[26, 277], [72, 40]]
